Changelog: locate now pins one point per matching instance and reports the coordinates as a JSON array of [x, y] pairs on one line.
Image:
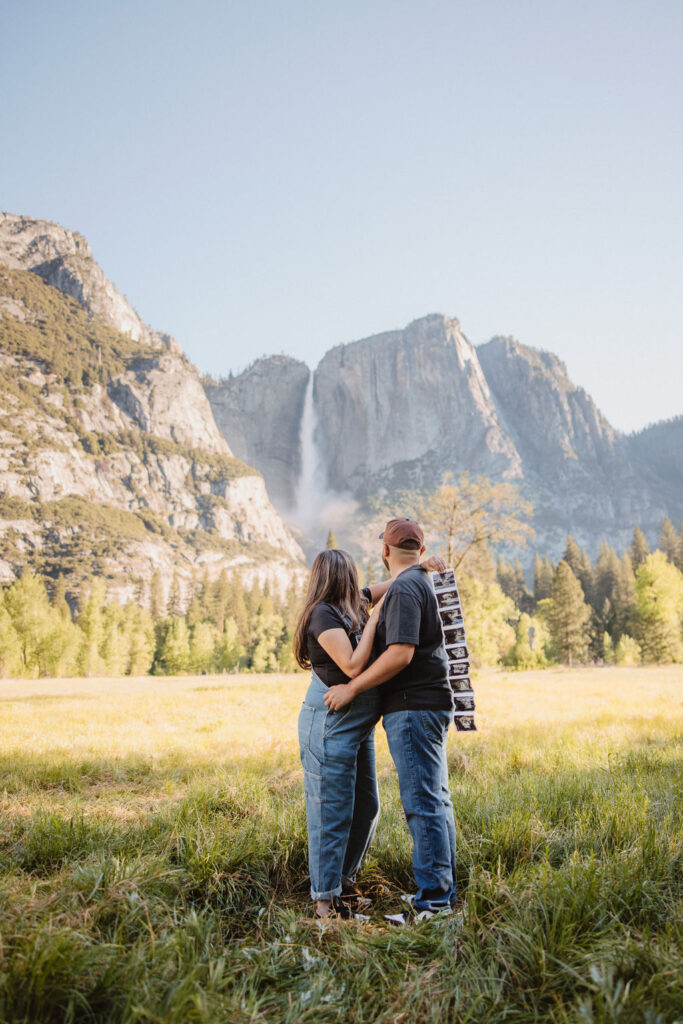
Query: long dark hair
[[334, 580]]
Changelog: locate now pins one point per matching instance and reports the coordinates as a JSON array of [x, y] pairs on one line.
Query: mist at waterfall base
[[317, 509]]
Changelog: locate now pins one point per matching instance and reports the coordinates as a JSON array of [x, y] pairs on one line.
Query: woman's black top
[[326, 616]]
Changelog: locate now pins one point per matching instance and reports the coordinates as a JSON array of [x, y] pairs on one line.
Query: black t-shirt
[[326, 616], [410, 615]]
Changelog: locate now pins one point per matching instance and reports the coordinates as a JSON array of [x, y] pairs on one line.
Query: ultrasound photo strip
[[442, 580], [448, 598], [461, 684], [453, 634], [453, 630], [458, 668], [452, 617]]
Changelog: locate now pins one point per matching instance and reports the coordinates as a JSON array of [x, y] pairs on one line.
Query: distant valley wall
[[397, 410]]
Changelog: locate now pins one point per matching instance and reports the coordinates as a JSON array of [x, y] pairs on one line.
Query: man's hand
[[337, 697], [434, 564]]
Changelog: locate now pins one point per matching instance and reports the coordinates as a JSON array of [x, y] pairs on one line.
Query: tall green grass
[[170, 884]]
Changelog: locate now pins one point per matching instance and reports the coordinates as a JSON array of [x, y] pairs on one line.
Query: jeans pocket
[[434, 725], [312, 765]]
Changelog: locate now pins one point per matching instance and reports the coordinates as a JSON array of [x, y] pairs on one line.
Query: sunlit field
[[153, 858]]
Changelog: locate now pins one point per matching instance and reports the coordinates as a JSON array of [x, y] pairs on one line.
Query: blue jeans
[[342, 801], [417, 741]]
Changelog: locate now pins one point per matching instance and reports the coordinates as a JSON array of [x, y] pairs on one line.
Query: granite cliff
[[260, 411], [110, 458], [399, 409]]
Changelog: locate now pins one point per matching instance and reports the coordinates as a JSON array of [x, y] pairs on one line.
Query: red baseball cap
[[403, 533]]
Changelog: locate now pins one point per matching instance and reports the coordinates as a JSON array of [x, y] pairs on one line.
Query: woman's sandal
[[338, 911]]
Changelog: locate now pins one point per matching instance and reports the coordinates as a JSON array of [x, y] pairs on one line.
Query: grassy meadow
[[153, 858]]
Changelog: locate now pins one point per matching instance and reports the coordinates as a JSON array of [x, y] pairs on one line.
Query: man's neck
[[401, 567]]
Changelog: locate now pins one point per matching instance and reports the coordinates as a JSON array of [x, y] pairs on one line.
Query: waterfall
[[308, 491], [316, 507]]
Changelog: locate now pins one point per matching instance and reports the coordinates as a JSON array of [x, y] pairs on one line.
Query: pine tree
[[236, 608], [607, 569], [203, 595], [505, 577], [572, 556], [331, 541], [639, 549], [623, 597], [585, 576], [140, 631], [230, 652], [668, 541], [659, 609], [543, 578], [568, 616], [116, 641], [59, 601], [608, 652], [173, 654], [220, 599], [523, 598], [92, 625], [175, 598], [157, 601]]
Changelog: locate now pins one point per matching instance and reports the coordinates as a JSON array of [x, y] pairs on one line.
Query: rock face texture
[[658, 452], [64, 260], [259, 413], [399, 409], [110, 458], [577, 470], [163, 394]]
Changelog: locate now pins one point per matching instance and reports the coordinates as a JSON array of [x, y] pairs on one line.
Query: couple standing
[[389, 664]]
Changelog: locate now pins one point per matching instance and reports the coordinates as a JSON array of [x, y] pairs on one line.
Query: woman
[[334, 638]]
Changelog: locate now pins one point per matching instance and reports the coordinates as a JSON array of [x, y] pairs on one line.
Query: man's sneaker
[[408, 898], [398, 920], [428, 915]]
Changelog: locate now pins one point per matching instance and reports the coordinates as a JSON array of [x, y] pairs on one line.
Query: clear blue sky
[[261, 177]]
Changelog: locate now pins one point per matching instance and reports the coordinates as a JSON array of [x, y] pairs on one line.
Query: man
[[417, 704]]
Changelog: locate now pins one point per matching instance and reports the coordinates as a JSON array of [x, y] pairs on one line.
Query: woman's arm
[[336, 643]]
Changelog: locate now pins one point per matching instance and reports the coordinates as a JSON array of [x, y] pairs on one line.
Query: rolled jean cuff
[[326, 895]]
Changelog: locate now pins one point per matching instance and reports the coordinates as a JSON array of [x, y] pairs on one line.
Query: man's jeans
[[342, 801], [417, 741]]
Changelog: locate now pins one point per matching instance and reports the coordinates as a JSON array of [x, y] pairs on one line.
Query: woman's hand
[[337, 697], [378, 604], [434, 564]]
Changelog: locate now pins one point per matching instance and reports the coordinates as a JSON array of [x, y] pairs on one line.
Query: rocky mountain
[[658, 450], [64, 260], [399, 409], [260, 411], [110, 457]]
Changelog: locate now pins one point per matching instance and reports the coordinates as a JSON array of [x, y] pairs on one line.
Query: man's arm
[[388, 665]]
